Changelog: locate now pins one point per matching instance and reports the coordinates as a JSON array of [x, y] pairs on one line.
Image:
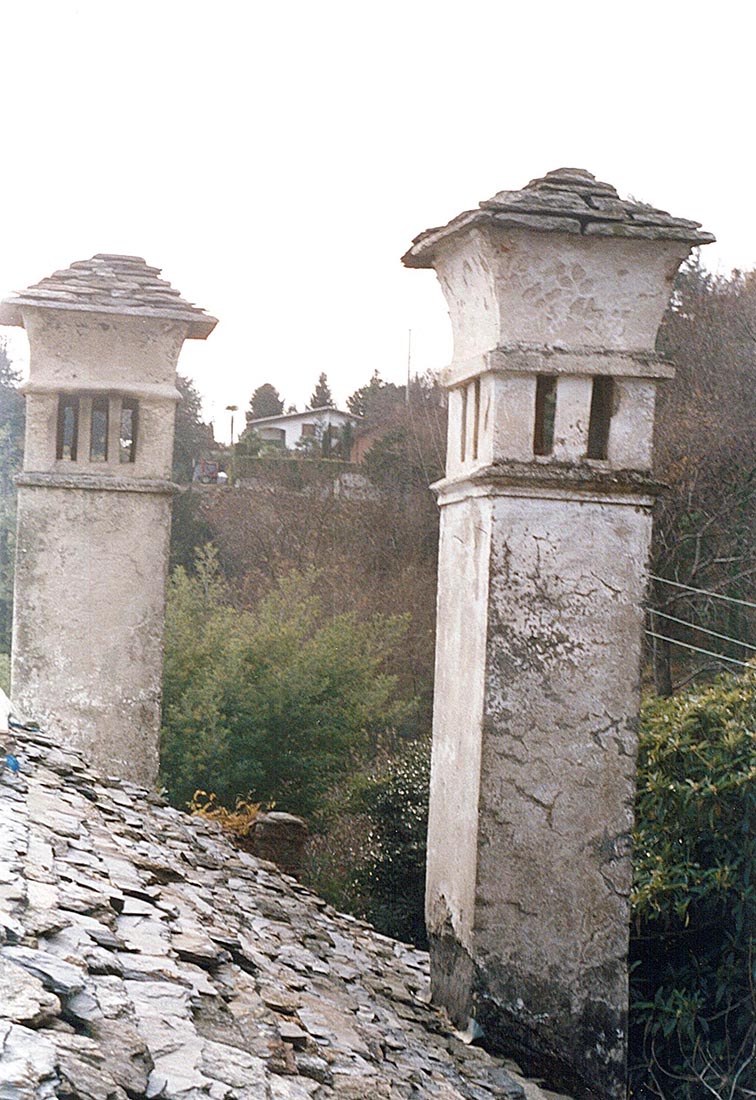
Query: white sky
[[276, 159]]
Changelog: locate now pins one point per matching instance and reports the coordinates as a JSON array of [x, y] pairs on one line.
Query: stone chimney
[[94, 504], [555, 295]]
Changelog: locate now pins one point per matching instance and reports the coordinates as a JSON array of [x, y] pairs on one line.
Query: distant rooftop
[[110, 284], [298, 415], [567, 200]]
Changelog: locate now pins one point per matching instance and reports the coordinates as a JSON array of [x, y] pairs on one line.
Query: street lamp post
[[232, 409]]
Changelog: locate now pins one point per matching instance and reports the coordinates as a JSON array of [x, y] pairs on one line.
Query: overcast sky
[[276, 159]]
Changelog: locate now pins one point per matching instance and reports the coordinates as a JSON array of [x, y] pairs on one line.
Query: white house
[[288, 429]]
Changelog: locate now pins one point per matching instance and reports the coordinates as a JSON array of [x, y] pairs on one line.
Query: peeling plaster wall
[[533, 776], [102, 348], [580, 291], [558, 775], [88, 621]]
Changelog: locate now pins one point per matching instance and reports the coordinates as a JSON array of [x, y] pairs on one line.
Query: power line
[[703, 629], [703, 592], [697, 649], [432, 430]]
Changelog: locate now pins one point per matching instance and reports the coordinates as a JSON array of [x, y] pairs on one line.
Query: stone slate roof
[[110, 284], [142, 956], [568, 200]]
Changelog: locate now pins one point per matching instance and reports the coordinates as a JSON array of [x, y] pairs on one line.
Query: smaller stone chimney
[[94, 504]]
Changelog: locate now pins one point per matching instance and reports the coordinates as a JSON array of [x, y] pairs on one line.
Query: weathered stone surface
[[23, 998], [280, 838], [54, 974], [288, 1088], [230, 984], [83, 1069], [27, 1064]]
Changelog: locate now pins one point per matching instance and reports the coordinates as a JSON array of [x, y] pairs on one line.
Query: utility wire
[[697, 649], [703, 629], [703, 592], [432, 428]]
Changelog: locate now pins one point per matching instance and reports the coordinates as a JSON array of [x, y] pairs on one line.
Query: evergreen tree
[[192, 436], [265, 401], [322, 397], [377, 401]]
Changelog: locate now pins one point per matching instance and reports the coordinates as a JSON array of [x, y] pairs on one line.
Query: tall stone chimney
[[94, 504], [555, 295]]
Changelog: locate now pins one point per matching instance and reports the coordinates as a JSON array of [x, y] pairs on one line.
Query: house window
[[68, 428], [602, 399], [273, 435], [308, 431], [127, 439], [98, 436], [545, 412]]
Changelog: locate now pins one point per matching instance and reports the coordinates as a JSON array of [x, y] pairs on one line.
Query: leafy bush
[[694, 897], [270, 704], [391, 882]]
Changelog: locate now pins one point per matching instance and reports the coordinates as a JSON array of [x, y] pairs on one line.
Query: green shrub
[[272, 704], [694, 898], [391, 881]]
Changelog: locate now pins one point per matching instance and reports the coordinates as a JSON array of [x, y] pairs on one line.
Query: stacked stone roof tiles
[[568, 200], [110, 284], [142, 956]]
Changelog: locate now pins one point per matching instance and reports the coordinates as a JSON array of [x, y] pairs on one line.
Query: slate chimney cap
[[567, 200], [109, 283]]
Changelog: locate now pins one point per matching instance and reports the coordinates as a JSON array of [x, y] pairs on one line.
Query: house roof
[[281, 417], [142, 956], [110, 284], [567, 200]]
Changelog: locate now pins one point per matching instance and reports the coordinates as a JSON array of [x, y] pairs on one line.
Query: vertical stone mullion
[[85, 428], [114, 429]]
